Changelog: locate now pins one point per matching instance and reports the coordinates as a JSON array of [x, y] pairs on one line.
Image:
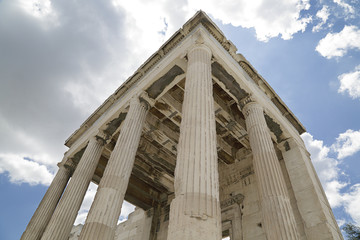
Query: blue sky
[[59, 61]]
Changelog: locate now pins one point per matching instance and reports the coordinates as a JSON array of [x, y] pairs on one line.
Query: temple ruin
[[201, 144]]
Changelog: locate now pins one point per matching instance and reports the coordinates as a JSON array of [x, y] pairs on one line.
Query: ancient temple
[[199, 141]]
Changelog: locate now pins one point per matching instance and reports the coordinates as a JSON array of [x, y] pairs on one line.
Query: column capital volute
[[197, 46], [141, 98], [145, 100], [247, 102], [63, 164], [60, 164], [199, 43], [68, 165], [102, 137]]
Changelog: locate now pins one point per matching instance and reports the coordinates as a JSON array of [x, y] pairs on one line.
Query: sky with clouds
[[59, 60]]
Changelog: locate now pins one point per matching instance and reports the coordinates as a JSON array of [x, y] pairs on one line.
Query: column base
[[186, 227]]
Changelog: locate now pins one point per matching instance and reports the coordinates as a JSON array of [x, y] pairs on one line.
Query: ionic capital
[[145, 100], [247, 104], [198, 46], [102, 137], [68, 165], [248, 99], [199, 43], [140, 98]]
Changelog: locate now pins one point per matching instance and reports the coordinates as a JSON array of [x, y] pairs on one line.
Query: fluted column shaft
[[195, 211], [43, 213], [237, 232], [106, 208], [65, 214], [279, 221]]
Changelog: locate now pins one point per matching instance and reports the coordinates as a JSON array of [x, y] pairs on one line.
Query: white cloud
[[333, 192], [24, 169], [337, 44], [347, 144], [350, 83], [329, 174], [53, 77], [341, 222], [36, 8], [351, 203], [347, 7], [126, 209], [86, 204], [148, 26], [269, 18], [323, 15]]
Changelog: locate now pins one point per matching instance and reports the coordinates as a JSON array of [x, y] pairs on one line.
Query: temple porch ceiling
[[153, 173]]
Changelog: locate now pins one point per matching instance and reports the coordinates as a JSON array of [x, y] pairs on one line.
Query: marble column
[[106, 208], [317, 218], [65, 214], [195, 211], [236, 224], [46, 208], [278, 217]]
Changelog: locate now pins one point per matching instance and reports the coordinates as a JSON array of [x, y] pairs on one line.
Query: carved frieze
[[237, 199], [233, 176]]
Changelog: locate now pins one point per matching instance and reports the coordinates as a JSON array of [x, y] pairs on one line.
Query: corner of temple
[[146, 100], [199, 42], [199, 37], [68, 165], [102, 137], [60, 164]]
